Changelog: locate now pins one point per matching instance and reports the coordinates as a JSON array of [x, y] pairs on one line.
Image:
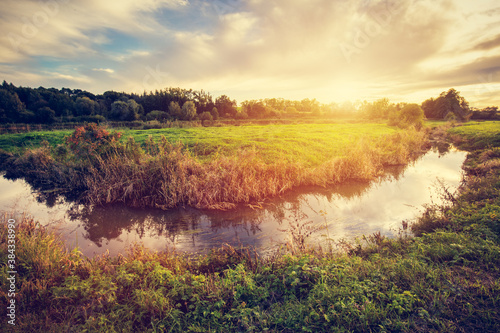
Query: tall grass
[[166, 176], [161, 174]]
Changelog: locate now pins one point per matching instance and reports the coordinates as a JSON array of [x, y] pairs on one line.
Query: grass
[[19, 142], [477, 135], [310, 144], [446, 279], [217, 168]]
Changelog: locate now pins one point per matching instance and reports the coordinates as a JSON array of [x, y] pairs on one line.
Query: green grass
[[310, 144], [474, 135], [18, 142]]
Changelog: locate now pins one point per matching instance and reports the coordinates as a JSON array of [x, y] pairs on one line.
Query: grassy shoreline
[[214, 168], [447, 279]]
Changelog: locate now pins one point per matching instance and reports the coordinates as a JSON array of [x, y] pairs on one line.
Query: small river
[[345, 211]]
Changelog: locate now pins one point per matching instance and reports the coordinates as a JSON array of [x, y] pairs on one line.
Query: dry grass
[[166, 176]]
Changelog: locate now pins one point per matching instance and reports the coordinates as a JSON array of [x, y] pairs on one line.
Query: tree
[[124, 111], [45, 115], [85, 106], [215, 113], [409, 115], [188, 111], [157, 115], [255, 109], [205, 118], [457, 104], [225, 106], [379, 109], [175, 110], [447, 102], [10, 106], [135, 110]]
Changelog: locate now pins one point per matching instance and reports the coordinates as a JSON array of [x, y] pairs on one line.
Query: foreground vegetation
[[212, 168], [446, 279]]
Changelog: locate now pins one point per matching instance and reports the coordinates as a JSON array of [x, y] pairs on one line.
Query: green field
[[478, 134], [310, 144]]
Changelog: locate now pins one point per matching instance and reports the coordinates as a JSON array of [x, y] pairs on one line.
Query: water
[[348, 210]]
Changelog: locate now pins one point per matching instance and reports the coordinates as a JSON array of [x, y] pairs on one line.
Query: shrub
[[91, 139], [410, 115]]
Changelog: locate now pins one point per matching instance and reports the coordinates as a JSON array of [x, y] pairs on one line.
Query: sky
[[331, 50]]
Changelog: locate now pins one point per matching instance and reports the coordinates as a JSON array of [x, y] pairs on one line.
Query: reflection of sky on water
[[352, 209]]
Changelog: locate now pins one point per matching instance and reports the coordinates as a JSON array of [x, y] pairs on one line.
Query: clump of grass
[[299, 233]]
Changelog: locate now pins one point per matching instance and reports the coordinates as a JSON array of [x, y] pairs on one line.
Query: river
[[345, 211]]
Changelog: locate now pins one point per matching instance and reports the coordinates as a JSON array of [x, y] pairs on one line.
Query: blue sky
[[331, 50]]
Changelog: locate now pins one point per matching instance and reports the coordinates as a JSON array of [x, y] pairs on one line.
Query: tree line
[[449, 105], [49, 105]]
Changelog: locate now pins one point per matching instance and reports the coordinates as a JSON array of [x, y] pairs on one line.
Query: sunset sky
[[331, 50]]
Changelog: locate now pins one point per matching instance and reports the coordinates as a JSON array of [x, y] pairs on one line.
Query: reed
[[166, 175]]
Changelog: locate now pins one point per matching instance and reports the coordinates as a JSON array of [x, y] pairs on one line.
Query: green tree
[[45, 115], [291, 110], [214, 113], [157, 115], [447, 102], [206, 118], [188, 111], [85, 106], [225, 106], [175, 110], [135, 109], [408, 115], [10, 106]]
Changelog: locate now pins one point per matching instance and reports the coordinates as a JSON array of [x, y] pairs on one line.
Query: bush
[[410, 115], [206, 118], [90, 139], [154, 124], [157, 115], [90, 119]]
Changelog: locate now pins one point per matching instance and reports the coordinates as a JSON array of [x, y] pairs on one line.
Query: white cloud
[[106, 70]]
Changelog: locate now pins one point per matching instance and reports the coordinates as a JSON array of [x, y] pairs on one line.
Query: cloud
[[64, 28], [295, 44], [106, 70], [489, 44], [330, 50]]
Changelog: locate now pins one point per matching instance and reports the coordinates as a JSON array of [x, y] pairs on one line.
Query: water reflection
[[348, 210]]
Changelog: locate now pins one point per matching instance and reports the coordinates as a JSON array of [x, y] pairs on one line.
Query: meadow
[[306, 143], [446, 278], [214, 167]]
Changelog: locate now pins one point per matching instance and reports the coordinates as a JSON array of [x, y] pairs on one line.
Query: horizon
[[332, 51]]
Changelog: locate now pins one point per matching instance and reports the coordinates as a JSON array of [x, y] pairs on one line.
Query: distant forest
[[50, 105]]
